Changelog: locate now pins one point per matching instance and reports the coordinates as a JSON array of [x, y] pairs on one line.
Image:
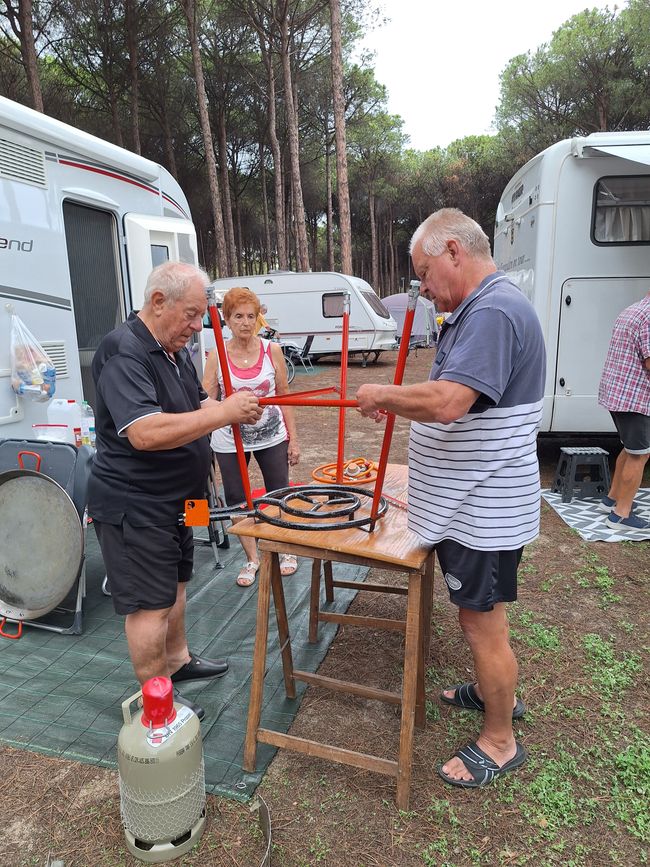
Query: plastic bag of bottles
[[32, 373]]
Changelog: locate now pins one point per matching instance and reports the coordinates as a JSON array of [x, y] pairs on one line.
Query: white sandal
[[247, 574], [288, 564]]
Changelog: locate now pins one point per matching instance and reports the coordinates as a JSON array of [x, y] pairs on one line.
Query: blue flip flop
[[466, 697], [484, 769]]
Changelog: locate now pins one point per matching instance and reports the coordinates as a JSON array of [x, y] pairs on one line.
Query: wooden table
[[391, 546]]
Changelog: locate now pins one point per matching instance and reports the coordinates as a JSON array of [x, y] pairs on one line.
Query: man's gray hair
[[449, 224], [173, 279]]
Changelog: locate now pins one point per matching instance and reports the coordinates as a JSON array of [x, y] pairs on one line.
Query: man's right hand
[[242, 408]]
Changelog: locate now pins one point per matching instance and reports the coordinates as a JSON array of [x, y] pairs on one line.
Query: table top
[[390, 542]]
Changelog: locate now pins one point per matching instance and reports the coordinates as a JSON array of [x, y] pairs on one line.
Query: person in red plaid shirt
[[625, 391]]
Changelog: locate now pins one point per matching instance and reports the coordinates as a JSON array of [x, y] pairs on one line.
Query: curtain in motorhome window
[[622, 213]]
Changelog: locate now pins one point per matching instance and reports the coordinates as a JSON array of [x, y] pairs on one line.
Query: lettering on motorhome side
[[513, 263], [15, 244]]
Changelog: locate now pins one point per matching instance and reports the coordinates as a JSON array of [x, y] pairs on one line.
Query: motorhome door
[[150, 241], [95, 279], [588, 310]]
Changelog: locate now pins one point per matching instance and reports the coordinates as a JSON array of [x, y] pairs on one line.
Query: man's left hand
[[368, 397]]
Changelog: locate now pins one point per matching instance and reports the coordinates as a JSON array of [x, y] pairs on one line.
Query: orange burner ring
[[356, 471]]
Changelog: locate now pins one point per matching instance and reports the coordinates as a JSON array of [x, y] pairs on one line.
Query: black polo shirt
[[135, 378]]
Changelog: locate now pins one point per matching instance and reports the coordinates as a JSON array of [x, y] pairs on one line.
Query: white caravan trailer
[[303, 304], [573, 232], [82, 222]]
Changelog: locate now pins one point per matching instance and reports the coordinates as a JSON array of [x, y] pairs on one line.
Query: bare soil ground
[[580, 632]]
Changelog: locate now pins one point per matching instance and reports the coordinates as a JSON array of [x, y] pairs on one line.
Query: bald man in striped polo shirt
[[474, 490]]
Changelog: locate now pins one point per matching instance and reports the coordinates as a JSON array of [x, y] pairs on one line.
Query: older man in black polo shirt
[[152, 421]]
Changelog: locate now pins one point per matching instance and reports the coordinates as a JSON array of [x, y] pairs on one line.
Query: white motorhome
[[573, 232], [82, 223], [302, 305]]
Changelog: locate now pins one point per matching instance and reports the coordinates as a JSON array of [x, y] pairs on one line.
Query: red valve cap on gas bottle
[[158, 702]]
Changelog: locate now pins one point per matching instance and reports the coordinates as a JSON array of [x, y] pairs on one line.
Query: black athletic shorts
[[145, 564], [478, 579], [634, 430], [273, 463]]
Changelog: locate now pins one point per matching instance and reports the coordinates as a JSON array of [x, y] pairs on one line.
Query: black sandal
[[484, 769], [466, 697]]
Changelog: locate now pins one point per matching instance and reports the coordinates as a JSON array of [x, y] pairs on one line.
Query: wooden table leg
[[409, 689], [314, 601], [283, 627], [329, 586], [428, 602], [425, 640], [259, 661]]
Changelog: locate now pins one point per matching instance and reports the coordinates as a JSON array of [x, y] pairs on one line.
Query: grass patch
[[526, 629], [609, 673], [631, 786]]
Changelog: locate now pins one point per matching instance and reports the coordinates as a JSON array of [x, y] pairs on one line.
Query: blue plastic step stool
[[582, 472]]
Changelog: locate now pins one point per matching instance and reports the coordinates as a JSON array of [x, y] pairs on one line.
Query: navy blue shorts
[[478, 579], [634, 430], [145, 564]]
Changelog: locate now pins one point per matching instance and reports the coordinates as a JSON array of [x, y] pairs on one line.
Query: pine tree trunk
[[302, 249], [374, 251], [265, 210], [168, 143], [28, 53], [234, 253], [343, 192], [278, 172], [189, 9], [132, 43], [330, 215]]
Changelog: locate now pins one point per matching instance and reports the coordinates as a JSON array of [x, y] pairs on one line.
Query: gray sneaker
[[632, 522], [607, 505]]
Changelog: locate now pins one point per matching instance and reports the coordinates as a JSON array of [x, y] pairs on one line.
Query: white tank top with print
[[260, 379]]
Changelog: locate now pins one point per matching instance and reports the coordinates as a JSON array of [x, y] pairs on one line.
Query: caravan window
[[376, 304], [622, 210], [159, 254], [333, 304]]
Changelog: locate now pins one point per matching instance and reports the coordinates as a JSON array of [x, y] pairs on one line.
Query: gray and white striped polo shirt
[[476, 480]]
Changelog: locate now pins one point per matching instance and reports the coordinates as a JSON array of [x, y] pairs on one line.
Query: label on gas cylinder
[[159, 736]]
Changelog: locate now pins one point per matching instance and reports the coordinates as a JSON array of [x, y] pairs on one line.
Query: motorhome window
[[333, 304], [159, 254], [96, 281], [518, 193], [376, 305], [622, 210]]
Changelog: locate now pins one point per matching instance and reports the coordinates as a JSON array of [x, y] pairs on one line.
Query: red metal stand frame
[[305, 398]]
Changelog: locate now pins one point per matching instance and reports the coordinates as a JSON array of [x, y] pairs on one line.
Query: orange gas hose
[[356, 471]]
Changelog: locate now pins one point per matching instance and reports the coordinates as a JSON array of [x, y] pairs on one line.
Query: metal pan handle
[[34, 455], [16, 634]]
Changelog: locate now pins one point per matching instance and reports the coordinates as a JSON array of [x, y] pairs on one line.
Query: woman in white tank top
[[256, 365]]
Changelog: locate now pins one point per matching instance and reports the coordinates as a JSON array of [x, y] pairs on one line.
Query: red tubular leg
[[345, 337], [227, 384], [390, 421], [301, 400]]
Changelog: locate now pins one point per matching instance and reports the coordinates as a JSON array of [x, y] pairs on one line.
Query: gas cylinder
[[162, 777]]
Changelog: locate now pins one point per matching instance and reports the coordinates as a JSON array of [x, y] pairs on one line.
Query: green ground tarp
[[61, 694]]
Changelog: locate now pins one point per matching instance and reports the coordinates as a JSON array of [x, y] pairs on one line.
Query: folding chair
[[295, 354]]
